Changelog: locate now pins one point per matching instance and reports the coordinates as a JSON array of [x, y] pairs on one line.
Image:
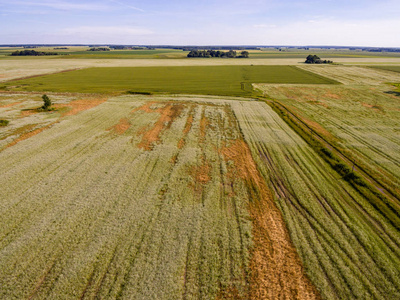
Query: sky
[[203, 22]]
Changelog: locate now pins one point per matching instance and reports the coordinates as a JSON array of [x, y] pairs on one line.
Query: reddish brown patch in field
[[203, 126], [29, 134], [181, 143], [188, 125], [187, 128], [10, 104], [276, 271], [367, 105], [28, 112], [174, 159], [333, 96], [375, 107], [202, 173], [80, 105], [145, 107], [230, 292], [122, 126], [201, 176], [168, 113]]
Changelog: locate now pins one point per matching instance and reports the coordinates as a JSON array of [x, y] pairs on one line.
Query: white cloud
[[379, 33], [61, 5], [104, 34], [107, 30]]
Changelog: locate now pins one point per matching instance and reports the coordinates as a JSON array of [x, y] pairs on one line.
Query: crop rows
[[360, 121], [209, 80], [348, 248], [118, 202]]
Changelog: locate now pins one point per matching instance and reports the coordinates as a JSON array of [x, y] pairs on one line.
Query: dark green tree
[[47, 102], [244, 54]]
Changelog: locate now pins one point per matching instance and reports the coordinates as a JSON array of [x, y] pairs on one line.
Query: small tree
[[47, 102]]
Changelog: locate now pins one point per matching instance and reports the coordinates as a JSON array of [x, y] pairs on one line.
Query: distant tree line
[[32, 53], [122, 47], [218, 53], [314, 59], [99, 49]]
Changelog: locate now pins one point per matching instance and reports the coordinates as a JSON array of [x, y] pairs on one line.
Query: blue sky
[[202, 22]]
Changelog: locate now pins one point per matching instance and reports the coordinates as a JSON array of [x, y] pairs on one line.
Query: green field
[[211, 80]]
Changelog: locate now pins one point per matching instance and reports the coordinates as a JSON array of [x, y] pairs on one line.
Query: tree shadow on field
[[396, 93]]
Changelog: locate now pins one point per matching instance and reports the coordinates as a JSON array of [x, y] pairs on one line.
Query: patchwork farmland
[[188, 191]]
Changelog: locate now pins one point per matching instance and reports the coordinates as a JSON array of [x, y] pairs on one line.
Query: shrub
[[4, 122], [47, 102]]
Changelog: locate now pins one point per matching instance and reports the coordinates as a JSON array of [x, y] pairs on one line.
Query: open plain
[[187, 191]]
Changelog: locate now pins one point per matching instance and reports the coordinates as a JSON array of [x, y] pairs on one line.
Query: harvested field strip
[[348, 248], [209, 80]]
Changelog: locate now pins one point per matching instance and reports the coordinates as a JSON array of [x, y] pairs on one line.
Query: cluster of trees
[[99, 49], [314, 59], [31, 53], [218, 53]]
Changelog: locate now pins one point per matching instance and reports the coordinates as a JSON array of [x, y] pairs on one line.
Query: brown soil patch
[[202, 173], [181, 143], [276, 271], [122, 126], [203, 126], [187, 128], [375, 107], [168, 113], [10, 104], [230, 292], [174, 159], [201, 176], [367, 105], [333, 96], [28, 112], [145, 107], [29, 134], [80, 105]]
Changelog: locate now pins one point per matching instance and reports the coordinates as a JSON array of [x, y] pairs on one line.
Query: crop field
[[21, 67], [388, 68], [349, 249], [354, 75], [26, 120], [361, 119], [97, 205], [215, 80]]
